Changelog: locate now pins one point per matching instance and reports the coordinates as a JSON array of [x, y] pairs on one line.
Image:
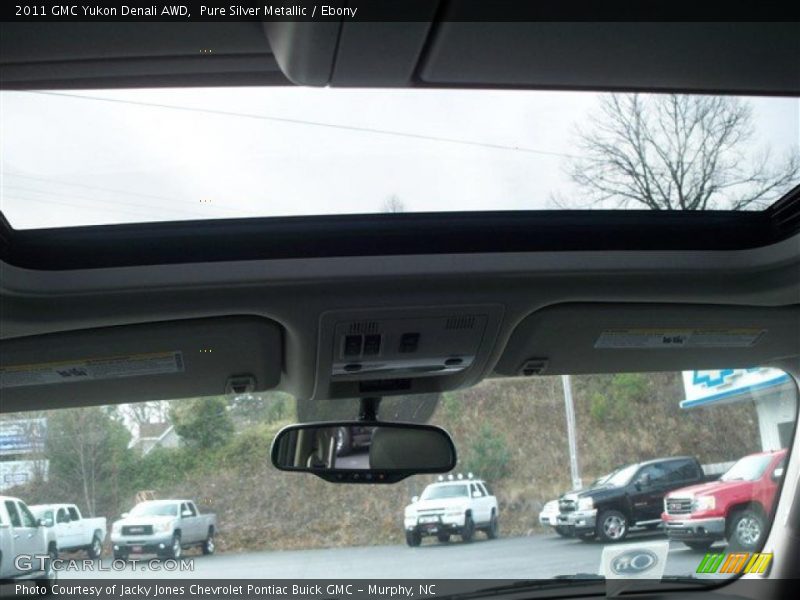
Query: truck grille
[[678, 506], [137, 530], [430, 512], [566, 506]]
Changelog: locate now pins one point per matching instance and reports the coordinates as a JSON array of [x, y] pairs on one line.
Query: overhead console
[[404, 351], [151, 361], [603, 337]]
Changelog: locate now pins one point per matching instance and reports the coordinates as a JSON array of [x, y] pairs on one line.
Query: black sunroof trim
[[395, 234]]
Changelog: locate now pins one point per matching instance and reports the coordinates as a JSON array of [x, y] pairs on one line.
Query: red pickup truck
[[736, 507]]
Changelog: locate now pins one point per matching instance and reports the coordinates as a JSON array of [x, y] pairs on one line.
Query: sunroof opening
[[103, 157]]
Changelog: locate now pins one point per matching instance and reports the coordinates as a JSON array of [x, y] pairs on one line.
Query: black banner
[[398, 10]]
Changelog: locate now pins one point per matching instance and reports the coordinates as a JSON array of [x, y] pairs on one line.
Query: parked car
[[631, 497], [164, 528], [73, 531], [737, 507], [549, 513], [22, 534], [452, 507], [349, 439]]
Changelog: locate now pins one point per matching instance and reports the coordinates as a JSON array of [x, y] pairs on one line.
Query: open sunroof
[[106, 157]]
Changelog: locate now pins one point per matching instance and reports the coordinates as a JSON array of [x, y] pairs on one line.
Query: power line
[[372, 130], [147, 207], [116, 191]]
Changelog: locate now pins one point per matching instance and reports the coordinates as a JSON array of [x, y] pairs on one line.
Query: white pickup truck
[[458, 506], [164, 528], [23, 541], [73, 531]]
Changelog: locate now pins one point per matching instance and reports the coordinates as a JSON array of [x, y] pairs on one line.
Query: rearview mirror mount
[[363, 451]]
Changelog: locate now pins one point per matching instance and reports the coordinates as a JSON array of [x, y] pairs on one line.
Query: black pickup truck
[[632, 496]]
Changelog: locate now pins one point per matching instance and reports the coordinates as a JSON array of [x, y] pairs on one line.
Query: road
[[533, 557]]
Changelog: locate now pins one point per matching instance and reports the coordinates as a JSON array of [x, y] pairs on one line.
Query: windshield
[[437, 492], [152, 509], [749, 468], [97, 157], [621, 477], [514, 434], [44, 514]]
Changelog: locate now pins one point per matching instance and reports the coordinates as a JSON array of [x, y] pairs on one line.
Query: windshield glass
[[445, 491], [98, 157], [511, 433], [749, 468], [151, 509], [44, 514], [621, 477]]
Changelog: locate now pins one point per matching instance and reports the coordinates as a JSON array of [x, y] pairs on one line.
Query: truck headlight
[[702, 503], [585, 503], [161, 527]]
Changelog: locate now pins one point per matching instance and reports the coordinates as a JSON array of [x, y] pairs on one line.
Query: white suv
[[454, 506]]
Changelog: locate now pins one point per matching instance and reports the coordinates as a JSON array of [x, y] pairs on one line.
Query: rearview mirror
[[363, 451], [777, 473]]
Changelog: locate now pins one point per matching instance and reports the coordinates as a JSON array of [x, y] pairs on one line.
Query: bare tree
[[393, 204], [678, 152]]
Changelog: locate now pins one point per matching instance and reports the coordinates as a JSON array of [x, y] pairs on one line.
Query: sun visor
[[153, 361], [607, 338]]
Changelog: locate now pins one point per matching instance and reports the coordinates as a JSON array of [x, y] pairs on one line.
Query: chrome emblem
[[634, 562]]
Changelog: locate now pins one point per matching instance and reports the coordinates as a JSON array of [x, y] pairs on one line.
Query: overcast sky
[[76, 160]]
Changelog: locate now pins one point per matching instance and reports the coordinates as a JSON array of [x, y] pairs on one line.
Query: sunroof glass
[[125, 156]]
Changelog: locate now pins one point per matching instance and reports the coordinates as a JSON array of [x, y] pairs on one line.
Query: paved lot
[[539, 556]]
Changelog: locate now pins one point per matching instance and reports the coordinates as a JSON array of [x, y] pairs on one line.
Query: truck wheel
[[443, 537], [699, 546], [208, 545], [468, 531], [96, 548], [746, 531], [612, 526], [413, 538], [494, 528], [344, 442], [175, 550], [50, 574], [120, 555]]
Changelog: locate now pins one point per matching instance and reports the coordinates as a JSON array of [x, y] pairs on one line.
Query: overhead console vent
[[465, 322], [363, 327], [414, 350]]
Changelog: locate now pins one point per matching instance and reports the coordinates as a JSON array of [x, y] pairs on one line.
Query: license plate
[[429, 519], [137, 549]]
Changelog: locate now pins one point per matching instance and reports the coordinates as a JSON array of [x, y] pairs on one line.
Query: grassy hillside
[[513, 433]]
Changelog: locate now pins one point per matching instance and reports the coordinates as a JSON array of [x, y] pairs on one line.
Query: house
[[147, 436]]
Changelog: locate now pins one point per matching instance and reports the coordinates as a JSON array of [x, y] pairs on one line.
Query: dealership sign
[[22, 436], [728, 385]]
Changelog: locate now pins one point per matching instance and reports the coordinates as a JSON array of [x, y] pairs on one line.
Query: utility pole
[[566, 381]]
